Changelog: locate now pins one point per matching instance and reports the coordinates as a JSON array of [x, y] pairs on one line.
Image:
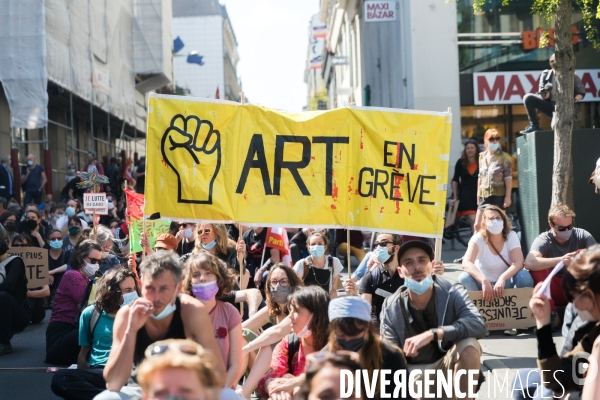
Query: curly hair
[[295, 282], [83, 250], [108, 296], [507, 225], [316, 301], [221, 237], [210, 263]]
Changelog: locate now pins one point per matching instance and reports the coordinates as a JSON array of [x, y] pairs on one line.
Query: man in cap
[[164, 241], [433, 319]]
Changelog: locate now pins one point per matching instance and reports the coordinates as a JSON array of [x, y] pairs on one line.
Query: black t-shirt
[[15, 282], [254, 247], [185, 247], [385, 287], [77, 191], [423, 320]]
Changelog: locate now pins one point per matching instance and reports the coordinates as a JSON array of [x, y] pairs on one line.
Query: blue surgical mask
[[169, 309], [493, 146], [419, 287], [30, 163], [129, 298], [56, 244], [70, 211], [209, 246], [187, 233], [382, 254], [317, 250]]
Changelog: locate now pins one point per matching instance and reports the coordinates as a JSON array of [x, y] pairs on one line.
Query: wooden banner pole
[[348, 254], [241, 231], [438, 242]]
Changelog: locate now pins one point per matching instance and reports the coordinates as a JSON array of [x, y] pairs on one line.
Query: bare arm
[[81, 357], [275, 256], [257, 320], [24, 177], [334, 284], [517, 258], [235, 357], [44, 179], [59, 270], [536, 262], [198, 328], [468, 263], [478, 186], [272, 335], [367, 296], [39, 294], [455, 190]]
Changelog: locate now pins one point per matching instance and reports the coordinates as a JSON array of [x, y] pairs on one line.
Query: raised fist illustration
[[192, 148]]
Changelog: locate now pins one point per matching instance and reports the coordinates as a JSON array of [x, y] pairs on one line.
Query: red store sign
[[493, 88]]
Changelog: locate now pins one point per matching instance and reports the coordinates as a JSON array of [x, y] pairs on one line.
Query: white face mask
[[90, 269], [495, 227]]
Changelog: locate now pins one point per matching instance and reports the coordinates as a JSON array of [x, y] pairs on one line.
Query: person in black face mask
[[34, 229], [9, 220], [351, 330]]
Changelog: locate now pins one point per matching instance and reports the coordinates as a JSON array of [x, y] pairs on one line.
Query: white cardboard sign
[[95, 203]]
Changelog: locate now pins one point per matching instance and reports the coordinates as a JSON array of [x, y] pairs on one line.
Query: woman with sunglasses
[[310, 331], [464, 182], [494, 260], [581, 284], [352, 330], [207, 279], [62, 345], [178, 369], [118, 287], [323, 373], [318, 268], [281, 282], [494, 186]]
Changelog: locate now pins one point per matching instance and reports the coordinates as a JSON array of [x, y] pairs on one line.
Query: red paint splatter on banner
[[164, 163], [334, 188], [246, 196], [334, 207], [381, 211], [366, 208], [350, 185], [397, 180], [416, 167], [313, 158], [397, 207], [361, 141], [409, 210]]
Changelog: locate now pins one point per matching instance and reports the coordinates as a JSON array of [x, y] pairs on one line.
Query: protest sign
[[95, 203], [36, 264], [511, 311], [153, 229], [360, 168]]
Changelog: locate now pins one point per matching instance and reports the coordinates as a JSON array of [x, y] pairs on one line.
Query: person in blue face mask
[[117, 288], [162, 312], [433, 319]]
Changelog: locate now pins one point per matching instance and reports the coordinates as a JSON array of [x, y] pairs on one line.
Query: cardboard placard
[[511, 311], [36, 264], [95, 203]]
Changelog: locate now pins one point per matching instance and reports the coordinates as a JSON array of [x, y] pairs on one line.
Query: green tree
[[560, 11]]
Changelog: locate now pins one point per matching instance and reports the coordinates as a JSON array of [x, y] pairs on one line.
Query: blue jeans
[[362, 267], [522, 279], [527, 385]]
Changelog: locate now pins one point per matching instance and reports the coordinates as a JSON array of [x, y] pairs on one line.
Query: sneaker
[[530, 128], [555, 321], [510, 332], [5, 349]]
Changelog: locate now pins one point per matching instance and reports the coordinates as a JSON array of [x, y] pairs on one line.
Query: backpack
[[293, 347], [3, 265], [94, 317]]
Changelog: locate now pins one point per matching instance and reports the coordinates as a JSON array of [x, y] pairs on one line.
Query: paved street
[[501, 354]]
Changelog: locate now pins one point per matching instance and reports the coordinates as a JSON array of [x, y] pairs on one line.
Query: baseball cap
[[166, 241], [420, 244]]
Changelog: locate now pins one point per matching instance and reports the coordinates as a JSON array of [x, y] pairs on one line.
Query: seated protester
[[281, 282], [14, 308], [310, 331], [22, 240], [255, 239], [71, 232], [385, 278], [71, 298], [161, 313], [581, 284], [323, 373], [33, 228], [319, 269], [57, 260], [433, 320], [179, 369], [118, 287], [8, 219], [207, 279], [186, 238], [494, 260], [560, 243], [105, 239], [352, 330], [298, 244]]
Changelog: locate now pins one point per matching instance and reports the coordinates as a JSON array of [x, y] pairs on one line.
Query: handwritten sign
[[511, 311], [95, 203], [36, 264]]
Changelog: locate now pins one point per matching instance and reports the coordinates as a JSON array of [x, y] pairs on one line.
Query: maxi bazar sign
[[381, 11], [493, 88]]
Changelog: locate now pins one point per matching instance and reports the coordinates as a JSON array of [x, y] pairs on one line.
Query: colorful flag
[[277, 238], [135, 204], [135, 222]]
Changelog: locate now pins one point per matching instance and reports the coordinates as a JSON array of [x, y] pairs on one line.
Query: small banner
[[36, 265], [135, 215], [511, 311], [358, 168]]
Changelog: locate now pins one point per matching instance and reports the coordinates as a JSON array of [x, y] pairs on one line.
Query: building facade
[[206, 55]]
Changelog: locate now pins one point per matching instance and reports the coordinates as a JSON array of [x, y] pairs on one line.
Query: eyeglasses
[[205, 231], [93, 260], [383, 243], [563, 228], [162, 347], [494, 139], [281, 282], [20, 245], [185, 224]]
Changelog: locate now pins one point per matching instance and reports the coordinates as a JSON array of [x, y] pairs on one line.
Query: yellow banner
[[363, 168]]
